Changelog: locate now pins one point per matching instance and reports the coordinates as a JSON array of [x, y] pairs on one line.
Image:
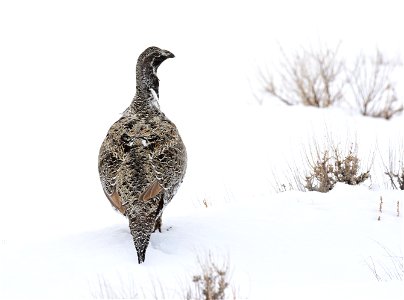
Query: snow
[[68, 71], [290, 239]]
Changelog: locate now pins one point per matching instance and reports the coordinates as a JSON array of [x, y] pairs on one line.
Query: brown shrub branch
[[308, 77], [372, 86], [320, 78]]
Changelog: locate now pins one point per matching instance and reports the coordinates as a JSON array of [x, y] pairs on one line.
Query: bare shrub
[[394, 170], [324, 165], [372, 86], [321, 78], [308, 77], [291, 181], [320, 178], [330, 166], [212, 283], [396, 179]]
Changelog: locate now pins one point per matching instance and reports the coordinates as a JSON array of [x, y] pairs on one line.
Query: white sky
[[41, 39]]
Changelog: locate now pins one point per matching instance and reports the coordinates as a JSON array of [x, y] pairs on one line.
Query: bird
[[142, 160]]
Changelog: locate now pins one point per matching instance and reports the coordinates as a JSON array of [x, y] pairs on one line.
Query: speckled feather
[[142, 160]]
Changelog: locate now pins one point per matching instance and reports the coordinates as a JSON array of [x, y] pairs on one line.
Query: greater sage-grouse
[[142, 160]]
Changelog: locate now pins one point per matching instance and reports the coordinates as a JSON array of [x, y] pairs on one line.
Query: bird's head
[[146, 68]]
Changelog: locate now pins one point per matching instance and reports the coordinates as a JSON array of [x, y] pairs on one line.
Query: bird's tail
[[141, 229]]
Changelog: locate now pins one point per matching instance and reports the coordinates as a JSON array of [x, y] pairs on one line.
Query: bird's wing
[[168, 158], [163, 158], [108, 166], [151, 191], [109, 162]]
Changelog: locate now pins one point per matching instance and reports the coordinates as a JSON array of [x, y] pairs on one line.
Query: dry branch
[[372, 86], [308, 77]]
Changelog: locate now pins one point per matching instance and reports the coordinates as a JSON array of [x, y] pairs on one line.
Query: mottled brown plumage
[[142, 160]]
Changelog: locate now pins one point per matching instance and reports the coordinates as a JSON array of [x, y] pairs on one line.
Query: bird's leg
[[157, 225], [159, 214]]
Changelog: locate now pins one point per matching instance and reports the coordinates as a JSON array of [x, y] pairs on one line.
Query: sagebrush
[[323, 166], [371, 82], [212, 282], [308, 77], [394, 170], [332, 166], [322, 78]]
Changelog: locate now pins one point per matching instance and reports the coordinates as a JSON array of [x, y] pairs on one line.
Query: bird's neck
[[147, 92], [146, 79], [145, 101]]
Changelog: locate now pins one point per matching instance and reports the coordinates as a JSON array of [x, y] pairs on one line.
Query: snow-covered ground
[[298, 241], [68, 71]]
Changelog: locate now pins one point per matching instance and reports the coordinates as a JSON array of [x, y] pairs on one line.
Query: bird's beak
[[168, 54]]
